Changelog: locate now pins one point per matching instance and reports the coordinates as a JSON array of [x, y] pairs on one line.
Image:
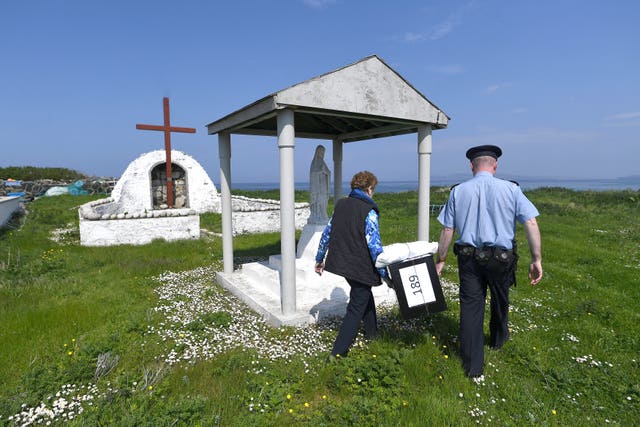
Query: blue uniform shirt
[[484, 211]]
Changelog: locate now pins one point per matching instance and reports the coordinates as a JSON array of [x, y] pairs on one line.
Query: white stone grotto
[[136, 212]]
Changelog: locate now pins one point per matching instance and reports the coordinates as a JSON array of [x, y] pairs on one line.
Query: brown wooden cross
[[167, 129]]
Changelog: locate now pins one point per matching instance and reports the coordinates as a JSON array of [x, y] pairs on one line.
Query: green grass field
[[142, 336]]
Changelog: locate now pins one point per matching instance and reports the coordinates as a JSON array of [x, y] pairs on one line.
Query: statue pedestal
[[309, 241], [317, 297], [306, 256]]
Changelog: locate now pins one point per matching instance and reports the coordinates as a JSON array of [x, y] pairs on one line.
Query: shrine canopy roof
[[364, 100]]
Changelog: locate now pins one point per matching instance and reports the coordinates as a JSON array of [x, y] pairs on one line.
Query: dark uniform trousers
[[361, 307], [475, 277]]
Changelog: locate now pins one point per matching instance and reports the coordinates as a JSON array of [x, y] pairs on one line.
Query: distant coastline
[[527, 183]]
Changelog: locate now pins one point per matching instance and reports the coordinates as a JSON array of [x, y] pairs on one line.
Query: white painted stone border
[[139, 228]]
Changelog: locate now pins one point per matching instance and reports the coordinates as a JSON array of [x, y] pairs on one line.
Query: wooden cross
[[167, 129]]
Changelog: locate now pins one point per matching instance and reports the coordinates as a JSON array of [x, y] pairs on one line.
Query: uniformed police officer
[[484, 211]]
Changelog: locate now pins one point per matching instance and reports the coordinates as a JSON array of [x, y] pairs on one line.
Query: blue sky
[[555, 83]]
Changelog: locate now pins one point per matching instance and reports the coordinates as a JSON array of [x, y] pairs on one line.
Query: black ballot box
[[417, 287]]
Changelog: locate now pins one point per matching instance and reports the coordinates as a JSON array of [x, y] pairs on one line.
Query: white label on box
[[417, 286]]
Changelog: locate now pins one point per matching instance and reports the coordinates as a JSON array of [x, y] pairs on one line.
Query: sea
[[526, 183]]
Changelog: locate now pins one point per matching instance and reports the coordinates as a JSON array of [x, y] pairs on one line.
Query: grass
[[142, 335]]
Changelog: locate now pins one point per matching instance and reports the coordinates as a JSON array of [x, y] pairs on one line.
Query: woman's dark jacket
[[348, 254]]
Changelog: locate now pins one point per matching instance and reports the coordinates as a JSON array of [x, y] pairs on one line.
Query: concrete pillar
[[286, 143], [224, 150], [424, 180], [337, 169]]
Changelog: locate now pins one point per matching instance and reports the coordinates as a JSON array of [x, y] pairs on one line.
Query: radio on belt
[[417, 287]]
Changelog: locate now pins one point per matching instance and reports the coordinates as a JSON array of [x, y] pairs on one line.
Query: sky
[[555, 83]]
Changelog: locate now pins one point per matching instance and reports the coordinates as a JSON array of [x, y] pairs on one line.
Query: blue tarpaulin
[[75, 189]]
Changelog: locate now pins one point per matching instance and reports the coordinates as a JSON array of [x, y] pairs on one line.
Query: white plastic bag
[[397, 252]]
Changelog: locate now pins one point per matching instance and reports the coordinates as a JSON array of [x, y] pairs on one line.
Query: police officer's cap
[[484, 150]]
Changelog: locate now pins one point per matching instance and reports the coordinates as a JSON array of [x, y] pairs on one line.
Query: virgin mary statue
[[319, 183]]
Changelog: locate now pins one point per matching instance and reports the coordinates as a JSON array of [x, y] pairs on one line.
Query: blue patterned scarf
[[357, 193]]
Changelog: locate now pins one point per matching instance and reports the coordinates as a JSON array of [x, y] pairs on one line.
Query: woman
[[351, 243]]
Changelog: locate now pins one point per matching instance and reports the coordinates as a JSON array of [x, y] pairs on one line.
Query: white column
[[337, 169], [224, 150], [286, 143], [424, 180]]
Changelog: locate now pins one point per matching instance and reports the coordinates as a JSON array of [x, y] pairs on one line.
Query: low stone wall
[[264, 221], [262, 215]]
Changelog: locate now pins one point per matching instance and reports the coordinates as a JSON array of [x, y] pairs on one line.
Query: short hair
[[484, 160], [363, 180]]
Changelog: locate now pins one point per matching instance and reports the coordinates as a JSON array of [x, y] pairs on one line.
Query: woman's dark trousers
[[361, 308]]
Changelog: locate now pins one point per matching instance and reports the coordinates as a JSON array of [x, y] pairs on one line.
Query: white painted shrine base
[[318, 297], [139, 231]]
